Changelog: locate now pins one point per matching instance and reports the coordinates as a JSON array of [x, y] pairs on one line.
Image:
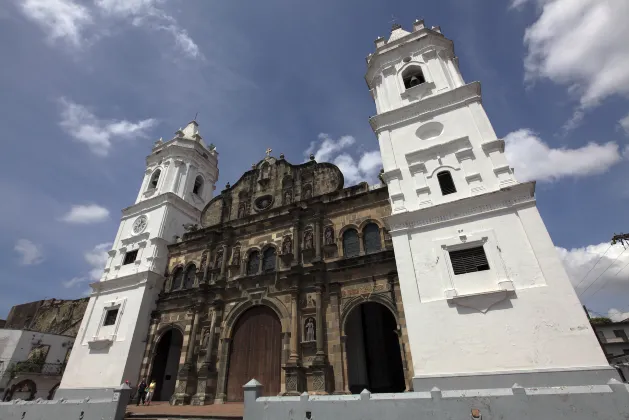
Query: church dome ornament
[[140, 224]]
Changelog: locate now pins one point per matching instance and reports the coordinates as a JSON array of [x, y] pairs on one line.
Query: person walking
[[141, 391], [149, 395]]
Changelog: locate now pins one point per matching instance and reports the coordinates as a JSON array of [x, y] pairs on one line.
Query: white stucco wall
[[522, 314]]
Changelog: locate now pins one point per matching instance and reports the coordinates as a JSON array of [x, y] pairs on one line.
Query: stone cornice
[[451, 99], [510, 197], [160, 200], [145, 278]]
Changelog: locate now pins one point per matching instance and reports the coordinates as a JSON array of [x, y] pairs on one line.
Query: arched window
[[371, 238], [446, 183], [198, 185], [412, 76], [268, 260], [253, 263], [155, 179], [177, 279], [351, 245], [188, 280]]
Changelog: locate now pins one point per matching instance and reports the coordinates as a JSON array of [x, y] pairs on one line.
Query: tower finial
[[195, 116], [268, 152]]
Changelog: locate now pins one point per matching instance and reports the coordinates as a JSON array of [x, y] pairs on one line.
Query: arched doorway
[[374, 359], [255, 352], [166, 364], [24, 390]]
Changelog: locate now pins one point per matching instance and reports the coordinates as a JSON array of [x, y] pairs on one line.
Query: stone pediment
[[269, 184]]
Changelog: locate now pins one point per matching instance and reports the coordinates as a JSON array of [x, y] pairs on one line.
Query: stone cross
[[268, 151]]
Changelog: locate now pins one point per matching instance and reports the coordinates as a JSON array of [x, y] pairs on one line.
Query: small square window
[[110, 318], [469, 260], [620, 334], [130, 257]]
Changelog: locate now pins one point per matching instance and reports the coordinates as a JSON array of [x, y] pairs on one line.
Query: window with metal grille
[[110, 317], [177, 279], [253, 264], [446, 183], [469, 260], [268, 260], [188, 280], [130, 257], [371, 238], [351, 244]]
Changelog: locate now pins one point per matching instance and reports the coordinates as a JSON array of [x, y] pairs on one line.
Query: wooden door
[[255, 353]]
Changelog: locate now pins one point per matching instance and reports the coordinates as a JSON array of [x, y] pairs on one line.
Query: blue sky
[[87, 87]]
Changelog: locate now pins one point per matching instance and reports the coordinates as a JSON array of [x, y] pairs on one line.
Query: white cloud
[[535, 160], [96, 258], [580, 44], [79, 122], [624, 124], [85, 214], [68, 20], [60, 19], [591, 269], [365, 168], [516, 4], [616, 315], [30, 253]]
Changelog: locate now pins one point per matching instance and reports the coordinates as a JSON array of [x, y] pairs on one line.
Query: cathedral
[[289, 276], [286, 248]]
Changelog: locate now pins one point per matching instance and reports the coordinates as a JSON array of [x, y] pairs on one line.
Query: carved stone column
[[223, 262], [206, 382], [296, 242], [337, 341], [317, 238], [185, 375], [320, 369], [293, 370]]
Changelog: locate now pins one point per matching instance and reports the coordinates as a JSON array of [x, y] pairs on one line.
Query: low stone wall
[[106, 404], [594, 402]]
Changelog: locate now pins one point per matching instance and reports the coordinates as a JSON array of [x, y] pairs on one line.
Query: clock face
[[139, 225]]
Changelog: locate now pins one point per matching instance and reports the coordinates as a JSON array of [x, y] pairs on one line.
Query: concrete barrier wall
[[595, 402], [108, 404]]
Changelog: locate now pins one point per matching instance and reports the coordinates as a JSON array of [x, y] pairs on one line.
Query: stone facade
[[293, 218]]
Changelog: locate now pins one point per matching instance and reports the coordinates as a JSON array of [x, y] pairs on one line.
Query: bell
[[414, 81]]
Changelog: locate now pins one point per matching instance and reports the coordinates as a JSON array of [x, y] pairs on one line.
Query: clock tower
[[178, 182]]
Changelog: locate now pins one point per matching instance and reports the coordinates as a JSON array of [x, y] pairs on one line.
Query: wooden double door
[[255, 353]]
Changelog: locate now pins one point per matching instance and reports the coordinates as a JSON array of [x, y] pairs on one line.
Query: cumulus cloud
[[85, 214], [624, 124], [30, 253], [535, 160], [616, 315], [79, 122], [581, 45], [60, 19], [69, 20], [596, 267], [364, 167], [96, 258]]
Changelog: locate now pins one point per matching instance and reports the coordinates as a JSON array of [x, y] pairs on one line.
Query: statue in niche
[[310, 329], [288, 197], [308, 240], [242, 210], [203, 261], [219, 257], [236, 256], [307, 192], [206, 337], [310, 301], [287, 246], [329, 235]]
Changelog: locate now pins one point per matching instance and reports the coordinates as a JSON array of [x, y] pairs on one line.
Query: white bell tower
[[487, 300], [178, 182]]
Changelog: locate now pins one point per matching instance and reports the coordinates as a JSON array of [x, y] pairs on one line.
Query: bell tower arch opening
[[374, 357]]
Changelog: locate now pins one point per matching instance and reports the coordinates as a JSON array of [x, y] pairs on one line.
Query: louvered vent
[[469, 260]]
